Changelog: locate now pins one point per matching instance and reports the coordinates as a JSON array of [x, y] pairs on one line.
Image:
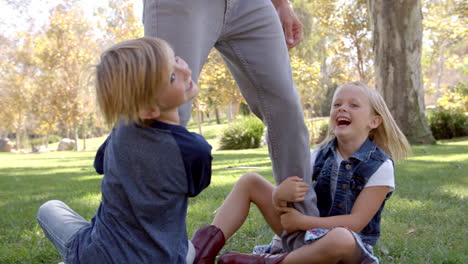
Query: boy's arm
[[366, 206], [99, 158]]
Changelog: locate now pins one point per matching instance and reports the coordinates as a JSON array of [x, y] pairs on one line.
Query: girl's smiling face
[[351, 115]]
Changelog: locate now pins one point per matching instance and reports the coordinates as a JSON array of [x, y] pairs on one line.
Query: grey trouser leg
[[251, 39], [59, 223], [191, 27]]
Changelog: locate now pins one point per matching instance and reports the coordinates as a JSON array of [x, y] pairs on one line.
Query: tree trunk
[[440, 71], [229, 112], [75, 136], [46, 141], [397, 41], [84, 134], [18, 136], [19, 125], [235, 109], [218, 120], [199, 120]]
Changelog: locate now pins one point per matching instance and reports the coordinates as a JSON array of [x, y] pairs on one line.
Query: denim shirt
[[351, 177]]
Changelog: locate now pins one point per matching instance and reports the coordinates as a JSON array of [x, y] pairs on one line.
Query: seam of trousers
[[261, 100], [227, 11], [156, 18]]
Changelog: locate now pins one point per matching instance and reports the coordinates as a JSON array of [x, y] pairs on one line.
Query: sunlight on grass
[[438, 158], [455, 191], [88, 177], [89, 199], [408, 204]]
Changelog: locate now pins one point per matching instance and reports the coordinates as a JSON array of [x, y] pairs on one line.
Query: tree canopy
[[46, 86]]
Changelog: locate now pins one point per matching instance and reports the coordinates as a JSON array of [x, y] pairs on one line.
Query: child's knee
[[250, 178], [48, 208], [342, 241]]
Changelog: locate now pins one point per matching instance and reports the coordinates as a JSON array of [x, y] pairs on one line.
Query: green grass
[[424, 221]]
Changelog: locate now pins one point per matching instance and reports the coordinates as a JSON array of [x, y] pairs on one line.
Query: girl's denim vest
[[352, 175]]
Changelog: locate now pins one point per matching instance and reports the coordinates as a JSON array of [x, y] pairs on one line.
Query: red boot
[[208, 241], [239, 258]]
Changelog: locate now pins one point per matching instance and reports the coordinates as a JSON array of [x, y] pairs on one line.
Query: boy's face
[[181, 88]]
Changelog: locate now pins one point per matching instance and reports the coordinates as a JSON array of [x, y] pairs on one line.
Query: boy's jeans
[[60, 223]]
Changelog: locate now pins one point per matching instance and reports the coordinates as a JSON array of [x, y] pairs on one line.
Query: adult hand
[[292, 27]]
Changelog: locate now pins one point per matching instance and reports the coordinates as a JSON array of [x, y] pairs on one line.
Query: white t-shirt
[[383, 176]]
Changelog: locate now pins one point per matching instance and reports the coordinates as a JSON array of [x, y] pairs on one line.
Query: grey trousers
[[250, 38]]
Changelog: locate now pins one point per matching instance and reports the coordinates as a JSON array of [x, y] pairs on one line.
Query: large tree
[[397, 43]]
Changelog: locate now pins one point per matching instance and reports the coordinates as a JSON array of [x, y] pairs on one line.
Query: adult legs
[[59, 223], [190, 26], [253, 46]]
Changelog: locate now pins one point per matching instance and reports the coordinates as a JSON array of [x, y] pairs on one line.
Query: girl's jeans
[[60, 223]]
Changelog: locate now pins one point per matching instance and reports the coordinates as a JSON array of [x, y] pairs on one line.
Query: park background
[[46, 94]]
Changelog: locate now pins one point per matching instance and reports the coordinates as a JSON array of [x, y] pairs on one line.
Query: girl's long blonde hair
[[128, 76], [388, 135]]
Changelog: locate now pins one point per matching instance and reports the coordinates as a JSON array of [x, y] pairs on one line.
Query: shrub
[[455, 97], [446, 124], [41, 140], [244, 133], [54, 138]]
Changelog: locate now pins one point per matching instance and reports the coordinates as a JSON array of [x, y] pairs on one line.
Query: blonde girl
[[354, 175]]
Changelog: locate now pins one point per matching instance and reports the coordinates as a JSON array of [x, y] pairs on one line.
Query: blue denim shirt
[[352, 175]]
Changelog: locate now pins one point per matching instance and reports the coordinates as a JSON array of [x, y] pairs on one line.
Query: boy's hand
[[291, 219], [293, 189]]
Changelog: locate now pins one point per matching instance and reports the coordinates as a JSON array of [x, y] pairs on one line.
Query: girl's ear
[[149, 113], [375, 122]]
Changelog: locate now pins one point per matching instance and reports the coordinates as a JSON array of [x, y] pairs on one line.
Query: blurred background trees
[[46, 64]]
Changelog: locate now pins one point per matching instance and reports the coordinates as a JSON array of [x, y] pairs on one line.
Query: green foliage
[[455, 98], [446, 123], [449, 119], [41, 140], [244, 133], [318, 128]]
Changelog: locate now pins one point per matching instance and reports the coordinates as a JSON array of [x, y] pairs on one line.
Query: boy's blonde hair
[[128, 76], [387, 135]]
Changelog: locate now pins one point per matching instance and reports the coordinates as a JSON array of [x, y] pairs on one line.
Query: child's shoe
[[208, 241], [239, 258]]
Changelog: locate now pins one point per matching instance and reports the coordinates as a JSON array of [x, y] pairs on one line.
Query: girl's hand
[[291, 219], [293, 189]]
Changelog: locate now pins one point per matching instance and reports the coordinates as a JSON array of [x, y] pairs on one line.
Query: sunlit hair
[[387, 135], [128, 75]]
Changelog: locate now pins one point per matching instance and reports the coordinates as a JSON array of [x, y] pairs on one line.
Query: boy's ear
[[149, 113], [376, 121]]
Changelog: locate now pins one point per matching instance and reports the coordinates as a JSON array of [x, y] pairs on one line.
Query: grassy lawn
[[424, 222]]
